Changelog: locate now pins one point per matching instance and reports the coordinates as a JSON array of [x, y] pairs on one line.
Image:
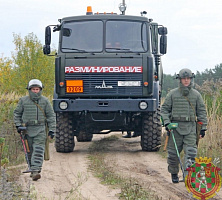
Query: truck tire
[[64, 141], [151, 131], [84, 137]]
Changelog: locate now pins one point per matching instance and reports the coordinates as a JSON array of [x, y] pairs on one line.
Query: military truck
[[108, 77]]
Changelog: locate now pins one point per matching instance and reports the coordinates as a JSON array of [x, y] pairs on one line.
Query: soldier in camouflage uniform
[[35, 112], [183, 105]]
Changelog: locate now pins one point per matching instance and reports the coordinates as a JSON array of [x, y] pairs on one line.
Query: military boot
[[175, 178], [136, 134], [128, 135], [35, 176]]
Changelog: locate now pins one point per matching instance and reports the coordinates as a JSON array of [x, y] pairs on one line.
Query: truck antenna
[[122, 7]]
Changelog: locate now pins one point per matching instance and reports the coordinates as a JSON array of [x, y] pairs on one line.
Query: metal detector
[[25, 146], [171, 127]]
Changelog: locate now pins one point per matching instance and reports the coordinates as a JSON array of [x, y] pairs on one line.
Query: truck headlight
[[63, 105], [143, 105]]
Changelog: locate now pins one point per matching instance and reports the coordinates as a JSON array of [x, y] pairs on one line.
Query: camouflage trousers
[[187, 143], [37, 149]]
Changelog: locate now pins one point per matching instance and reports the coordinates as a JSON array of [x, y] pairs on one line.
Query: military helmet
[[184, 73], [34, 83]]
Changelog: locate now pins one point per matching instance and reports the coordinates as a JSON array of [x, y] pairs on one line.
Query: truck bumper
[[104, 105]]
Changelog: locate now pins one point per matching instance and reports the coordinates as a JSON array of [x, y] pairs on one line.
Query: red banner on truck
[[104, 69]]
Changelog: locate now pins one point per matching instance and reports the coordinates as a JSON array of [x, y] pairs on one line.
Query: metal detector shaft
[[181, 165], [25, 150]]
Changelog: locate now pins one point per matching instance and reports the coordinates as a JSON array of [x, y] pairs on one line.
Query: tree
[[30, 62], [217, 71], [169, 83], [5, 73]]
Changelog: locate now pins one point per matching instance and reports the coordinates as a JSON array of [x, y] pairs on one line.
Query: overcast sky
[[194, 26]]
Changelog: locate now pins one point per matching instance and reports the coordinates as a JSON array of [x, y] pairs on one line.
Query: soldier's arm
[[18, 113], [166, 109], [201, 112], [50, 117]]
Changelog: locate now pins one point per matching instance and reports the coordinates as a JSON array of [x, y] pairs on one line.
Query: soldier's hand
[[18, 130], [51, 134], [166, 127], [202, 133]]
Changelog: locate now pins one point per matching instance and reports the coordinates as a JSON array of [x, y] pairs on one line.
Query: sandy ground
[[66, 176]]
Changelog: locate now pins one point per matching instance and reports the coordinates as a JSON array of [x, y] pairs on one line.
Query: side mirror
[[47, 35], [46, 49], [163, 44], [162, 31]]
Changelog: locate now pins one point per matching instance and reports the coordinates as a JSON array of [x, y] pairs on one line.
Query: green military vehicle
[[108, 77]]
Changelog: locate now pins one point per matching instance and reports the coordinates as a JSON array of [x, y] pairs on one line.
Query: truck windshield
[[126, 36], [120, 36], [83, 36]]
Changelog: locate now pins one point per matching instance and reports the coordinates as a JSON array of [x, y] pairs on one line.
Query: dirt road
[[66, 176]]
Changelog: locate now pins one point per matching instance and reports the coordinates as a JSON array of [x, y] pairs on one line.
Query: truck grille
[[93, 80]]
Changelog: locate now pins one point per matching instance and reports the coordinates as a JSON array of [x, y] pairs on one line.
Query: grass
[[130, 189], [9, 187], [211, 144]]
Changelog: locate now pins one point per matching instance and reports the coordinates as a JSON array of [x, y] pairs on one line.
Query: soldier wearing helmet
[[35, 112], [183, 73], [183, 105]]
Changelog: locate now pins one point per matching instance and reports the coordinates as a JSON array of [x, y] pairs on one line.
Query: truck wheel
[[64, 141], [151, 131], [84, 137]]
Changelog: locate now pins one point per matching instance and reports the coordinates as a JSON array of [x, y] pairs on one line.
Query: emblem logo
[[103, 86], [203, 179]]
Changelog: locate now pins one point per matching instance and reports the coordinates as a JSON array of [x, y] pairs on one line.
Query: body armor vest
[[181, 108], [32, 111]]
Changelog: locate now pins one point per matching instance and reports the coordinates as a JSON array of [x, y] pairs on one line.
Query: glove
[[202, 133], [51, 134], [19, 131], [166, 127]]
